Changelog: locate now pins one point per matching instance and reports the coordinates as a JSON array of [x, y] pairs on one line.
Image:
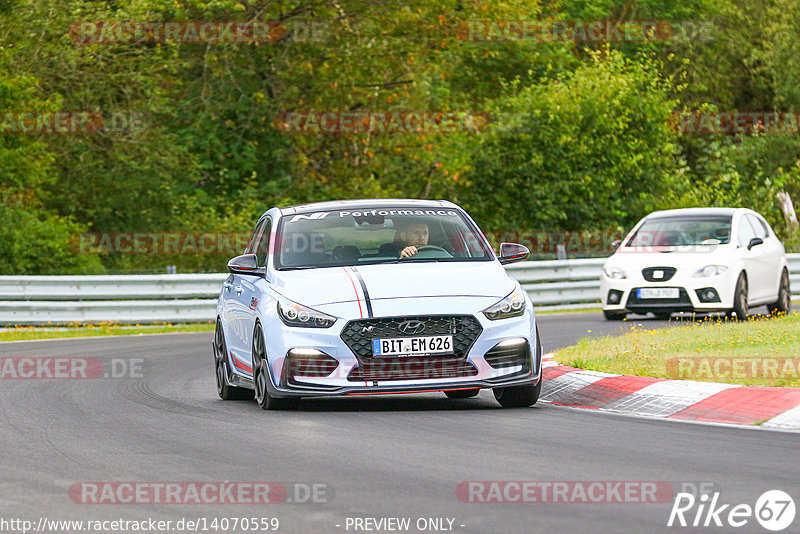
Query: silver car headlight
[[615, 273], [513, 305], [294, 314], [710, 270]]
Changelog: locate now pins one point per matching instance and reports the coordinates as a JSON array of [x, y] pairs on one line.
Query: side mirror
[[616, 243], [513, 252], [755, 241], [245, 264]]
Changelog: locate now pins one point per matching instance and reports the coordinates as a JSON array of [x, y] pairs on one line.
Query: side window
[[759, 226], [254, 239], [262, 247], [746, 232]]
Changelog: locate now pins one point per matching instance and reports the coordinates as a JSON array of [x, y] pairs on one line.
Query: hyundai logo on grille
[[411, 327]]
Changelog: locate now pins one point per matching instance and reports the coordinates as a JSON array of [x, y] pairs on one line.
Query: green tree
[[592, 149]]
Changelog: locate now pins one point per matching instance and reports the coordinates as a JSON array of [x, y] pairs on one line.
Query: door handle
[[238, 289], [227, 286]]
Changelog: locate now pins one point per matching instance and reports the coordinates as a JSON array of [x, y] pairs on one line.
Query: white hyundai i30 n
[[374, 297]]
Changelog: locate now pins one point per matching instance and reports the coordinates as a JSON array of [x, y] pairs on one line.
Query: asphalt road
[[377, 457], [559, 330]]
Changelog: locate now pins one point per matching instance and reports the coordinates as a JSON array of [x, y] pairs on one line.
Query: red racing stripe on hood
[[358, 299]]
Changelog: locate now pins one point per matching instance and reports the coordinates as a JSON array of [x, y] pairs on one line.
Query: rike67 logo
[[774, 510]]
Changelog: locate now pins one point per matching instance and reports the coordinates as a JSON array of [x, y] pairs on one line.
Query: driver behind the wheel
[[410, 236]]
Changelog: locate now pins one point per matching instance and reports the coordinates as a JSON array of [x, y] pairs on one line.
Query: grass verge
[[24, 333], [762, 351]]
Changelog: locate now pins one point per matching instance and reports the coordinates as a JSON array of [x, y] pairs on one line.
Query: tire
[[462, 393], [784, 302], [518, 396], [614, 315], [225, 390], [739, 310], [261, 377]]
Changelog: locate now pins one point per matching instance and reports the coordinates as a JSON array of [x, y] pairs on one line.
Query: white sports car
[[697, 259], [374, 297]]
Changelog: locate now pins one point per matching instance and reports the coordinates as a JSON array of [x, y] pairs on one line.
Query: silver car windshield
[[679, 231], [372, 236]]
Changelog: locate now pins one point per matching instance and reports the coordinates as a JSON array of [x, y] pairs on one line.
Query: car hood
[[314, 287]]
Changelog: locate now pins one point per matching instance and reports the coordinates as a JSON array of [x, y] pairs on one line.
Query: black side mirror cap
[[513, 252], [246, 264], [754, 242]]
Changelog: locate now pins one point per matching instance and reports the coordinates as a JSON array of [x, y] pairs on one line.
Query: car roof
[[687, 212], [367, 203]]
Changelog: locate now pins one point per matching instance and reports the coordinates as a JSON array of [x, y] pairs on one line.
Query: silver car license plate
[[658, 293]]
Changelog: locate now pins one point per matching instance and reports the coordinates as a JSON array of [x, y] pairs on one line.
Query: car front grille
[[648, 272], [359, 333]]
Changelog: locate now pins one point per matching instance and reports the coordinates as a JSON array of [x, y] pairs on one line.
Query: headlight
[[513, 305], [710, 270], [294, 314], [614, 273]]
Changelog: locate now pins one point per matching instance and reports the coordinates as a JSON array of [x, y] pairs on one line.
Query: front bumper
[[282, 339], [690, 289], [397, 387]]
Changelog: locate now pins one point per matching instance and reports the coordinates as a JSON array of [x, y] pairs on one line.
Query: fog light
[[708, 294], [307, 362], [510, 353], [614, 296]]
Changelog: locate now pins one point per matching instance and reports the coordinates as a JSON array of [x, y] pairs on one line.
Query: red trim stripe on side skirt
[[239, 365]]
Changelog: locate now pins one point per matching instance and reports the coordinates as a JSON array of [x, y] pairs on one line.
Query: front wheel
[[261, 376], [225, 390], [518, 396], [784, 302], [739, 311]]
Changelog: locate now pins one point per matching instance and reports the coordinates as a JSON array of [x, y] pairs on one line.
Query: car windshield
[[370, 236], [679, 231]]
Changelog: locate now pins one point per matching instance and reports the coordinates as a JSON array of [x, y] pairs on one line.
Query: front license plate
[[412, 346], [657, 293]]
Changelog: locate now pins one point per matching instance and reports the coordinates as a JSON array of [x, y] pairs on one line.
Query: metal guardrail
[[171, 298], [560, 284], [159, 298]]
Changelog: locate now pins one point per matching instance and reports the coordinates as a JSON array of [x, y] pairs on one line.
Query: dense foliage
[[580, 135]]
